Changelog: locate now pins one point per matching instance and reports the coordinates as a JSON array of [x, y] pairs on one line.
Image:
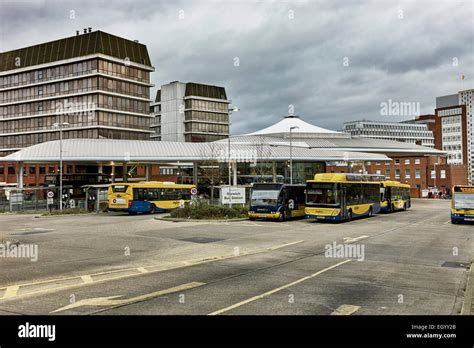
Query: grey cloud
[[283, 61]]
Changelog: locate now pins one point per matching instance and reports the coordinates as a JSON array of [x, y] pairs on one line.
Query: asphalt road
[[410, 262]]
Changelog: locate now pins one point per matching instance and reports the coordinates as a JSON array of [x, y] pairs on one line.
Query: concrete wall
[[172, 111]]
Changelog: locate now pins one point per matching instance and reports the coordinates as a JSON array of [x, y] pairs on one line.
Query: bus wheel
[[370, 212], [349, 215], [404, 206], [152, 209]]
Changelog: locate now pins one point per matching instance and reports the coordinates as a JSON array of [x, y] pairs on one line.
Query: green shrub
[[199, 209]]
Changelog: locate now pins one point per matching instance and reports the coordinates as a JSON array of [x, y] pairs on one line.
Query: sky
[[328, 62]]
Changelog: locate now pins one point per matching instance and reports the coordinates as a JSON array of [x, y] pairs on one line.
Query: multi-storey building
[[416, 133], [92, 85], [190, 112], [457, 123]]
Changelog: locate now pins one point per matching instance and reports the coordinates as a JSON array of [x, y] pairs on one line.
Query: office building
[[92, 85], [190, 112], [415, 133]]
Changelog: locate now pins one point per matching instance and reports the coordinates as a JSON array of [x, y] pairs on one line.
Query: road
[[412, 262]]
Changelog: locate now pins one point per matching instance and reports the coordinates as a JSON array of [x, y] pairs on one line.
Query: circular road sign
[[50, 194], [194, 191]]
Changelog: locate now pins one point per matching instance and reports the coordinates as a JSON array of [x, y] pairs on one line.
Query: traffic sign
[[50, 194], [194, 191], [49, 201]]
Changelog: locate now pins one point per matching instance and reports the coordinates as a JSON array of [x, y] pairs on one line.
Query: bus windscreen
[[322, 193], [264, 197], [463, 201]]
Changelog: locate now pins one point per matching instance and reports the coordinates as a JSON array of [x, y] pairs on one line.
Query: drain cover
[[455, 264], [201, 240]]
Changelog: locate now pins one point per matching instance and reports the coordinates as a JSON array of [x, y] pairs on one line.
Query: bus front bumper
[[271, 215], [461, 217], [323, 217]]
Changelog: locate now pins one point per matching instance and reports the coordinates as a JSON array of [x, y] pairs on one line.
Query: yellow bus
[[394, 196], [342, 196], [148, 197], [462, 208]]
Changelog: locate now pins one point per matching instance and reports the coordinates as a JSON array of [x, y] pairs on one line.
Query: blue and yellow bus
[[462, 208], [276, 201], [148, 197], [394, 196], [342, 196]]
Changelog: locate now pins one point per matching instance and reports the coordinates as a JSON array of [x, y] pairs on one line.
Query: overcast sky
[[334, 61]]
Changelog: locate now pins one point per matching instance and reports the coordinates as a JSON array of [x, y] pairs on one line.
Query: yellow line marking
[[345, 310], [87, 278], [113, 301], [11, 291], [258, 297]]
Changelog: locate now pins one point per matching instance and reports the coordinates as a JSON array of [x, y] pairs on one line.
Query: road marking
[[87, 279], [258, 297], [114, 301], [11, 291], [59, 284], [345, 310], [348, 240]]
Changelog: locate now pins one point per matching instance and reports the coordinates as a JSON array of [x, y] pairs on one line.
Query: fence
[[35, 199]]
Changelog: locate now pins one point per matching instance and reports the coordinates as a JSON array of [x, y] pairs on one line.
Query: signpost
[[50, 200], [238, 195]]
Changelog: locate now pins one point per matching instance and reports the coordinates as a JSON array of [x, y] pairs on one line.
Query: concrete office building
[[415, 133], [190, 112], [457, 127], [96, 84]]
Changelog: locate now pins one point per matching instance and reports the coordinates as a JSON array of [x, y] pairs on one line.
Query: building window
[[378, 172], [397, 173], [32, 170], [11, 170], [442, 174], [417, 161], [417, 174], [397, 162], [407, 161], [407, 174], [42, 170], [433, 174]]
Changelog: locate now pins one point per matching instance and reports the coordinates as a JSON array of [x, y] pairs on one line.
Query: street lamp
[[291, 153], [231, 110], [60, 126], [436, 188]]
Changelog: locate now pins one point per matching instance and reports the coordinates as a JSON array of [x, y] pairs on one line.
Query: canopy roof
[[110, 150]]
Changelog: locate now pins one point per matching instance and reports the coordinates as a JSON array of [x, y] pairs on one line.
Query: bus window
[[265, 197], [119, 188], [322, 193]]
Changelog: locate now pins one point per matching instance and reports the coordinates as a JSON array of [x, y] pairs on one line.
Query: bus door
[[343, 202]]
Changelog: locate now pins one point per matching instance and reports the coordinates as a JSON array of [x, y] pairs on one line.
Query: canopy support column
[[195, 173]]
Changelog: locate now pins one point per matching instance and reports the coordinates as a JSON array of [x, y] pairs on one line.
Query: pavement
[[412, 262]]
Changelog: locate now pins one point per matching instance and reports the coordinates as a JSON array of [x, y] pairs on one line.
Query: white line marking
[[348, 240], [258, 297], [345, 310], [11, 291], [87, 279], [113, 301]]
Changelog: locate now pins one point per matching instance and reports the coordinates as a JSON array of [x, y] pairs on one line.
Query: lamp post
[[291, 153], [436, 188], [234, 109], [60, 126]]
